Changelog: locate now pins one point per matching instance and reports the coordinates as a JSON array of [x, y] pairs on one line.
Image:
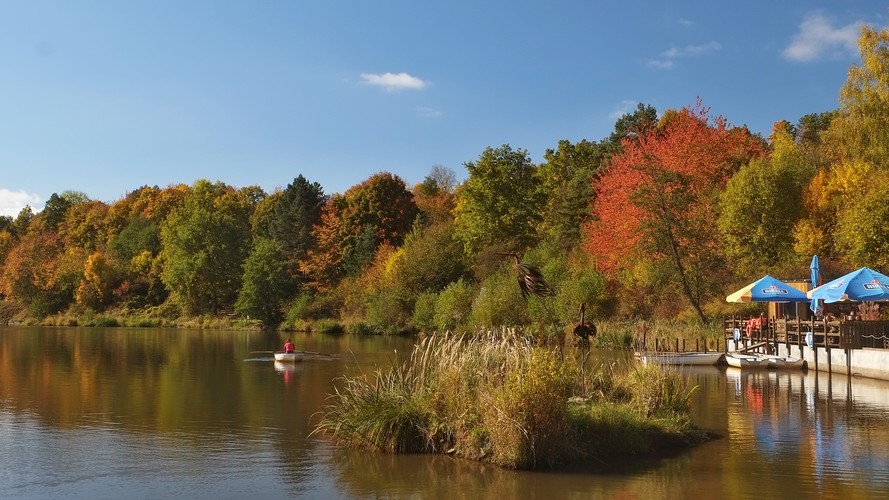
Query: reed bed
[[503, 399]]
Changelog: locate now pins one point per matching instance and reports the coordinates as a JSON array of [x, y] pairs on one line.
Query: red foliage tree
[[657, 199]]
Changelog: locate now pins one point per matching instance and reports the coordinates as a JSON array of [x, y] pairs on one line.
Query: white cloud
[[427, 112], [685, 22], [623, 108], [394, 81], [12, 202], [669, 56], [660, 64], [817, 36]]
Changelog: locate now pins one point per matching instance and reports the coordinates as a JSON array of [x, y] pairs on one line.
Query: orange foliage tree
[[353, 225], [657, 201]]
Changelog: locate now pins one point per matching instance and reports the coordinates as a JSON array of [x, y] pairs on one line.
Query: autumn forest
[[663, 218]]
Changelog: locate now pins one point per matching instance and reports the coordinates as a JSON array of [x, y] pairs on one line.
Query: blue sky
[[106, 96]]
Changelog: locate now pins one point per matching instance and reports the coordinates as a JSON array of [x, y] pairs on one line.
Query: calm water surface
[[153, 413]]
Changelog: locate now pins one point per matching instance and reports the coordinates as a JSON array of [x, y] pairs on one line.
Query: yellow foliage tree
[[861, 130], [95, 287]]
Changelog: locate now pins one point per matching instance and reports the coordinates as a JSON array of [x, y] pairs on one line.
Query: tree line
[[662, 218]]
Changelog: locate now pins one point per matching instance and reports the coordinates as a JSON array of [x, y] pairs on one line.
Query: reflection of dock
[[816, 386]]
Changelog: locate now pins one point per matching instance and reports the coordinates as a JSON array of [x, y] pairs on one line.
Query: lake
[[160, 413]]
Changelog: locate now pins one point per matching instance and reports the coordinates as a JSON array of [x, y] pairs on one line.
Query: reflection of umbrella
[[768, 289], [863, 285], [815, 306]]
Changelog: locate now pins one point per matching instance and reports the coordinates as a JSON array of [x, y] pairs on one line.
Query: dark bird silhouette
[[585, 329], [531, 280]]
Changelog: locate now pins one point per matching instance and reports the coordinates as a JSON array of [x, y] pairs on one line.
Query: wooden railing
[[834, 333]]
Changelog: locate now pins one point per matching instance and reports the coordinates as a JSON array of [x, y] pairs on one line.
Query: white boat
[[741, 360], [783, 362], [681, 358], [288, 357]]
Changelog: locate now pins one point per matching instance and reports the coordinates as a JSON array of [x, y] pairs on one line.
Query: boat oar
[[262, 352], [315, 353]]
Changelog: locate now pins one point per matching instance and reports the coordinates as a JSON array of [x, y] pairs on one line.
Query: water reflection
[[831, 431], [173, 414]]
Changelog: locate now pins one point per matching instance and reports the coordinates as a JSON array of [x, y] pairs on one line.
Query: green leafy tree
[[22, 223], [860, 131], [289, 216], [501, 201], [139, 235], [812, 127], [264, 288], [297, 212], [54, 211], [204, 243], [5, 223], [762, 203], [630, 126], [567, 179]]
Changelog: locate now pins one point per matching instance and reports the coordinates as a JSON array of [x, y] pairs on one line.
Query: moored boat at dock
[[681, 358], [742, 360]]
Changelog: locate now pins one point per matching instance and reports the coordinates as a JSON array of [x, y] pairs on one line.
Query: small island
[[500, 399]]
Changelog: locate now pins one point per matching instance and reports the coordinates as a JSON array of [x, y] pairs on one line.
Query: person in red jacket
[[288, 346]]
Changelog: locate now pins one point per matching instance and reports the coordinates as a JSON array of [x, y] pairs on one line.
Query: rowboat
[[288, 357], [741, 360], [784, 362], [681, 358]]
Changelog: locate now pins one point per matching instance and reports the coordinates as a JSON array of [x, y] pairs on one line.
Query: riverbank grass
[[500, 400]]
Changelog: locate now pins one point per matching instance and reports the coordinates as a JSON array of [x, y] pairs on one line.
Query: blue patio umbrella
[[768, 289], [862, 285], [815, 306]]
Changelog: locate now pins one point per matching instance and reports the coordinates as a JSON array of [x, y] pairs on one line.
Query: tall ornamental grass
[[501, 399]]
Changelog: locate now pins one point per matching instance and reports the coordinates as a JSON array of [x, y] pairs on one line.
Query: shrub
[[499, 302], [387, 311], [423, 318], [328, 326], [362, 328], [453, 305], [106, 321]]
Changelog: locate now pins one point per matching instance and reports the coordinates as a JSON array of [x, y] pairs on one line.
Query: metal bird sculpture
[[585, 329], [531, 280]]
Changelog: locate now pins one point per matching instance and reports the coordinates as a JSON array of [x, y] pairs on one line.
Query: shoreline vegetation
[[507, 400], [612, 333], [517, 397]]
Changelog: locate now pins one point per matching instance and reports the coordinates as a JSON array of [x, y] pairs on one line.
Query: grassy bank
[[500, 400]]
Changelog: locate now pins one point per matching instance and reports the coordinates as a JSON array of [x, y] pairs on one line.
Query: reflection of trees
[[144, 379]]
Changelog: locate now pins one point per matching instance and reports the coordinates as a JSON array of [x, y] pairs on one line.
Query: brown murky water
[[154, 413]]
